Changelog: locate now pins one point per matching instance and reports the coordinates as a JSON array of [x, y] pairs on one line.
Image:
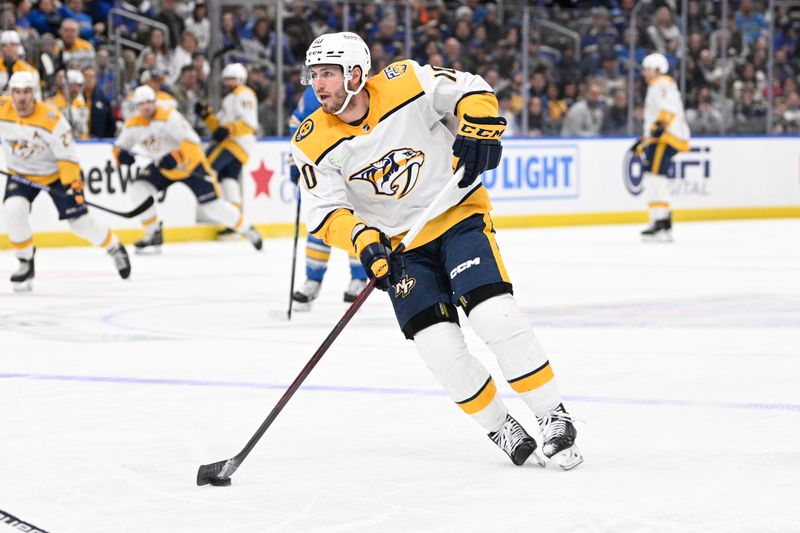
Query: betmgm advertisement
[[538, 182]]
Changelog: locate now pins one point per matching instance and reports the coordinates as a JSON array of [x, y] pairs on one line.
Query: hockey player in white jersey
[[666, 133], [233, 131], [371, 159], [174, 147], [39, 147]]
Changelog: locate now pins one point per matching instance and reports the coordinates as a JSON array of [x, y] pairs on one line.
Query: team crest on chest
[[394, 174]]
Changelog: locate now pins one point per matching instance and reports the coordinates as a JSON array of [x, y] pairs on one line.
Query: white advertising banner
[[535, 177]]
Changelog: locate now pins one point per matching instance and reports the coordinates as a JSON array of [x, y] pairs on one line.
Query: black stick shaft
[[351, 311], [294, 255]]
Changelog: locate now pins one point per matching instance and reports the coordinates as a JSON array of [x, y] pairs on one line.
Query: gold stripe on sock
[[532, 380], [108, 239], [23, 244], [480, 399], [150, 221]]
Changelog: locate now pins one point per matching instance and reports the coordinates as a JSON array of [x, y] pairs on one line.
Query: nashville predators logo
[[403, 287], [153, 143], [394, 174], [24, 149]]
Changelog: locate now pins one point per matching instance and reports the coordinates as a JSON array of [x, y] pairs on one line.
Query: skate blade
[[301, 307], [150, 250], [22, 286], [658, 237], [569, 458], [538, 458]]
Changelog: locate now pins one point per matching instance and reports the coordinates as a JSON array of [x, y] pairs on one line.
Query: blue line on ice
[[394, 390]]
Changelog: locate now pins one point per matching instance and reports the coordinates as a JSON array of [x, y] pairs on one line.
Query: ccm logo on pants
[[463, 266]]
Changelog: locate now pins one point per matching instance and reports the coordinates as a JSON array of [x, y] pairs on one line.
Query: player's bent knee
[[469, 300], [441, 312], [441, 346], [16, 207], [499, 319]]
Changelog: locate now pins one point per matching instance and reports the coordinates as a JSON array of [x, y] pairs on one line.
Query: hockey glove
[[169, 161], [126, 158], [202, 110], [657, 129], [220, 134], [294, 174], [373, 247], [75, 191], [477, 146]]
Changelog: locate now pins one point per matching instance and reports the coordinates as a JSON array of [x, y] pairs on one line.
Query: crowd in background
[[574, 89]]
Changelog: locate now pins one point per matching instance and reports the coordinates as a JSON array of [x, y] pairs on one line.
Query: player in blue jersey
[[317, 252]]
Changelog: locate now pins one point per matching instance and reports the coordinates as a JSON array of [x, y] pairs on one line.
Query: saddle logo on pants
[[403, 287], [463, 266]]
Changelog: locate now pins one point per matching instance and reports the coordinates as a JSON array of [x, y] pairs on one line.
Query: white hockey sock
[[140, 191], [505, 329], [98, 234], [232, 192], [223, 212], [17, 211], [657, 189], [465, 379]]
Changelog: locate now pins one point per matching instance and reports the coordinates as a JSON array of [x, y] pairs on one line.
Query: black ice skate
[[659, 231], [354, 289], [253, 237], [119, 255], [303, 297], [22, 279], [558, 434], [515, 441], [151, 244], [227, 234]]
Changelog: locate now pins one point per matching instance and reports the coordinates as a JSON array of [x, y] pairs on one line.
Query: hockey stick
[[138, 210], [294, 255], [219, 473]]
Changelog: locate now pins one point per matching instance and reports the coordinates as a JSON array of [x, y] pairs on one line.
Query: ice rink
[[683, 361]]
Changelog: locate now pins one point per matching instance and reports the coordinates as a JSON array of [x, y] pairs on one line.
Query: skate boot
[[659, 230], [354, 289], [253, 237], [119, 255], [515, 441], [22, 279], [151, 244], [227, 234], [303, 297], [558, 434]]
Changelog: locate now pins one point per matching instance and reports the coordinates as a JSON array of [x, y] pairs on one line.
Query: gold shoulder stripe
[[162, 113], [44, 116], [136, 120], [319, 134]]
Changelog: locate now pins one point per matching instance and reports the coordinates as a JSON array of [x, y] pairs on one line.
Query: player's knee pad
[[88, 228], [656, 186], [470, 299], [441, 312], [441, 345], [17, 208], [232, 191]]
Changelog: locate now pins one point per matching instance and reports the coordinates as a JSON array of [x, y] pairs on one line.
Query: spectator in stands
[[73, 9], [182, 56], [230, 35], [600, 38], [106, 84], [585, 118], [615, 118], [21, 21], [389, 36], [45, 17], [260, 46], [199, 24], [749, 114], [203, 69], [452, 53], [69, 100], [128, 25], [505, 111], [186, 96], [556, 105], [538, 118], [705, 118], [101, 114], [494, 32], [73, 51], [156, 45], [750, 22], [12, 62], [175, 25], [267, 114], [378, 57], [663, 30]]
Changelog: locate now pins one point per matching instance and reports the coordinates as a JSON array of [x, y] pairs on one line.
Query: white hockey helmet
[[143, 93], [236, 71], [345, 49], [76, 77], [22, 80], [10, 37], [656, 62]]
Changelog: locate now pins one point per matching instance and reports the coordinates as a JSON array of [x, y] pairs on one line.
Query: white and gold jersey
[[238, 113], [39, 147], [19, 66], [163, 99], [168, 132], [76, 112], [663, 103], [386, 169]]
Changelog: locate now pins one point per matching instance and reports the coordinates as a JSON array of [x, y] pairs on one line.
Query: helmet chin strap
[[350, 93]]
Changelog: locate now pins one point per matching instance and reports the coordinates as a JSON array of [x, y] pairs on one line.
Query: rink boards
[[540, 182]]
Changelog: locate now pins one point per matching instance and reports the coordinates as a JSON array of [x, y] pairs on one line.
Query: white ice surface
[[683, 360]]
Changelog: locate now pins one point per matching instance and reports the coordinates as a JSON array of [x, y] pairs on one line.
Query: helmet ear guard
[[344, 49]]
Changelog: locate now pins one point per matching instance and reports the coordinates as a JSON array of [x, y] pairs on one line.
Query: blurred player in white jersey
[[174, 147], [39, 147], [371, 159], [233, 131], [666, 133]]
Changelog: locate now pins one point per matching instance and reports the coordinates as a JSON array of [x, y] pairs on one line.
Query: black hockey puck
[[220, 481]]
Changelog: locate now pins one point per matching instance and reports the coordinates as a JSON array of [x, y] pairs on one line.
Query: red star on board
[[262, 176]]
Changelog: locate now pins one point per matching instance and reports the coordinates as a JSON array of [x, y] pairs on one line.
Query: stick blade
[[215, 471]]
